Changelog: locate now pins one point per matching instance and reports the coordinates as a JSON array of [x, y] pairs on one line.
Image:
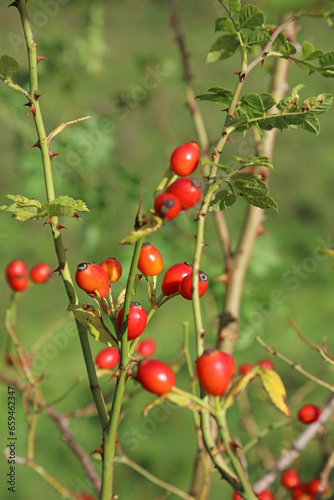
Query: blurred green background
[[119, 62]]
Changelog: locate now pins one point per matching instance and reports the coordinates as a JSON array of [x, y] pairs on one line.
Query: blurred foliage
[[119, 62]]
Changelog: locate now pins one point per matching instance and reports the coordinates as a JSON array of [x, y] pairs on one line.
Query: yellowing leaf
[[91, 318], [240, 385], [275, 389], [327, 251]]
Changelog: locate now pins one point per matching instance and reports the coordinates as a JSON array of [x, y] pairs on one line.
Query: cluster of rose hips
[[186, 191], [154, 375], [17, 274], [302, 491]]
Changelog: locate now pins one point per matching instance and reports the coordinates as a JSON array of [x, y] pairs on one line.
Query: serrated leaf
[[327, 251], [257, 198], [233, 5], [30, 209], [314, 55], [258, 102], [90, 317], [219, 95], [181, 400], [307, 49], [8, 66], [275, 389], [240, 385], [318, 104], [291, 48], [64, 206], [247, 180], [250, 17], [255, 37], [223, 200], [326, 59], [223, 48], [150, 224], [225, 24]]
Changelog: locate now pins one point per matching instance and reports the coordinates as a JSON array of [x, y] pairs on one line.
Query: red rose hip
[[173, 277], [290, 479], [188, 190], [213, 371], [167, 206], [185, 158], [185, 287], [150, 262], [309, 413], [108, 358], [113, 269], [136, 322], [40, 273], [155, 376]]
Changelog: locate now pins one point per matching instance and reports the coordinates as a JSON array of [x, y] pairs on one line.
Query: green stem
[[109, 437], [50, 192], [226, 438]]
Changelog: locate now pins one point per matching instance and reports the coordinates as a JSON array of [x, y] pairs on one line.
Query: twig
[[123, 459], [288, 456], [295, 365], [328, 357]]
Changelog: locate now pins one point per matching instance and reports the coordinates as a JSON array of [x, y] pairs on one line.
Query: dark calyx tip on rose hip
[[203, 277], [84, 265], [146, 244], [196, 183], [135, 304], [209, 350]]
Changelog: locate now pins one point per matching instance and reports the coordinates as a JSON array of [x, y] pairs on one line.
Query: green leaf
[[224, 47], [326, 59], [254, 161], [64, 206], [219, 95], [8, 66], [150, 224], [25, 208], [250, 17], [255, 37], [233, 5], [223, 200], [291, 48], [90, 317], [247, 180], [257, 198], [314, 55], [258, 102], [275, 389], [307, 49], [225, 24]]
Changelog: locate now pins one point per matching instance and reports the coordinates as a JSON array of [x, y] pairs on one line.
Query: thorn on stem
[[36, 145], [52, 154], [59, 226], [40, 58], [32, 108], [36, 95]]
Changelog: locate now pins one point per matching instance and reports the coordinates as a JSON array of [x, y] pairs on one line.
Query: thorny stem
[[238, 264], [50, 192]]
